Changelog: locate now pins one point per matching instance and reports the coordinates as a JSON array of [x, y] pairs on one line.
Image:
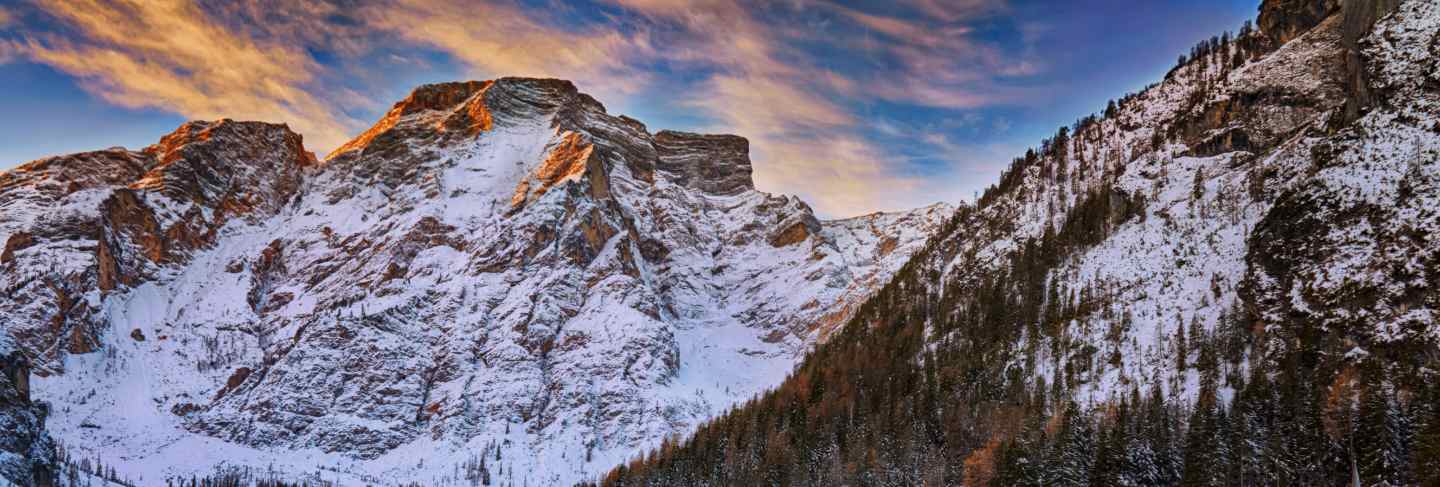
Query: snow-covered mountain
[[499, 278], [1228, 278]]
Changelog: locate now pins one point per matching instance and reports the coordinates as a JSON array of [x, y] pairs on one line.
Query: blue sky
[[854, 106]]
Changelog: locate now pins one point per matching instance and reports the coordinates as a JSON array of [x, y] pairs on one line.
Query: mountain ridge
[[495, 268]]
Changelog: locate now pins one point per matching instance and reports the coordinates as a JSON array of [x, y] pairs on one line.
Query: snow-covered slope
[[498, 273]]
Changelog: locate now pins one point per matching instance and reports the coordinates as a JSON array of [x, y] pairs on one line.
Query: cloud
[[500, 39], [936, 61], [253, 59], [739, 66], [803, 143], [956, 10], [168, 54]]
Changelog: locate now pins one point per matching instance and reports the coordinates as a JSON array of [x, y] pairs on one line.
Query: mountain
[[1228, 278], [498, 280]]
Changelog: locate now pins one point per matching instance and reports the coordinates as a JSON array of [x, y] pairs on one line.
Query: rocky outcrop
[[27, 454], [18, 241], [717, 164], [1263, 110], [1285, 20], [1359, 18], [197, 164]]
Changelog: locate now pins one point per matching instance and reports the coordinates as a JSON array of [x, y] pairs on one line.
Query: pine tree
[[1181, 348], [1158, 434], [1252, 418], [1379, 435], [1426, 447], [1204, 450], [1197, 187], [1074, 449]]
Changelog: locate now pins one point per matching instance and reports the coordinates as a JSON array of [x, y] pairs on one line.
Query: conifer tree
[[1426, 447], [1074, 449], [1379, 435]]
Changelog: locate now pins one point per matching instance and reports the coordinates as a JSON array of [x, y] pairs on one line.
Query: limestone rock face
[[716, 164], [1350, 250], [1285, 20], [495, 265]]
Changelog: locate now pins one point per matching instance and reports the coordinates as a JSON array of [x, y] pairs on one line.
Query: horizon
[[873, 108]]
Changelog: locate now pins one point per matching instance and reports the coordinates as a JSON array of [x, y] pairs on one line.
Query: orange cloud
[[499, 39], [803, 142], [168, 54]]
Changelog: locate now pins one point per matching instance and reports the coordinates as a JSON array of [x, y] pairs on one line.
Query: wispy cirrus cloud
[[168, 54], [801, 80], [500, 38]]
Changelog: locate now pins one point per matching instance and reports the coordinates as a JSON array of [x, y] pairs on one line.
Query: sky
[[854, 106]]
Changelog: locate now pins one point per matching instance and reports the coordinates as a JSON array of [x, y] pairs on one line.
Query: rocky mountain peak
[[238, 165], [439, 96], [108, 220], [455, 111]]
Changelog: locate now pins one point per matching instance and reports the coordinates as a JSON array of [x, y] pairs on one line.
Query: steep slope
[[1226, 279], [499, 279]]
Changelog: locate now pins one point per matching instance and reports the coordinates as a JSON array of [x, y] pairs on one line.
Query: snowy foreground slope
[[498, 273]]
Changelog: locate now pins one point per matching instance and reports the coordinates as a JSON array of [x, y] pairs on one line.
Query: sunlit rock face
[[496, 269]]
